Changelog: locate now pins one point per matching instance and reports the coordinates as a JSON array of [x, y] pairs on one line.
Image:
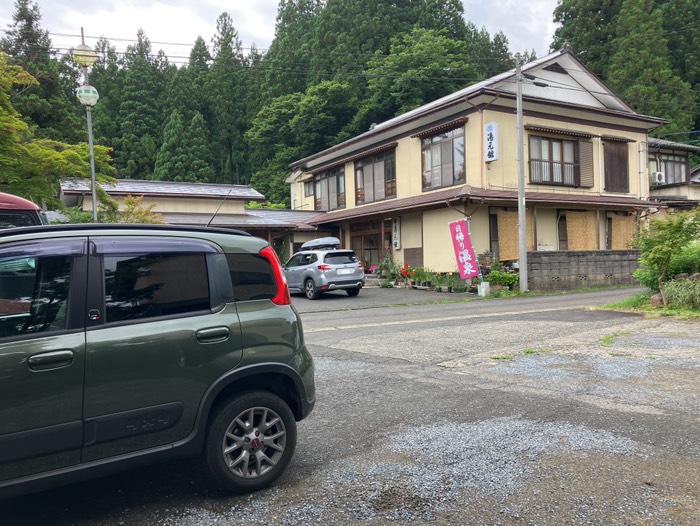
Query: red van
[[17, 211]]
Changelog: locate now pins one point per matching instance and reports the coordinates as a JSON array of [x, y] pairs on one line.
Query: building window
[[616, 166], [443, 159], [675, 167], [553, 161], [330, 190], [308, 188], [375, 178]]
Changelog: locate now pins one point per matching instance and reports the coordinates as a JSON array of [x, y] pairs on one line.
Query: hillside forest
[[239, 115]]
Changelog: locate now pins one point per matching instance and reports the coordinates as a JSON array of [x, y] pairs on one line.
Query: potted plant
[[502, 279]]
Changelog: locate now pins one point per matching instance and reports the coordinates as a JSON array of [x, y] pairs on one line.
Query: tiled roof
[[670, 145], [166, 189]]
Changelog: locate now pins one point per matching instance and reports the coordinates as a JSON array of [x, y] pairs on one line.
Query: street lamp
[[88, 97]]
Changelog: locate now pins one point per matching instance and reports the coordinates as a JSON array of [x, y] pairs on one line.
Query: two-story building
[[395, 188], [674, 183]]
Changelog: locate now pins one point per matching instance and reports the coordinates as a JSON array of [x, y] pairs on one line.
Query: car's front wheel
[[353, 292], [250, 441], [310, 289]]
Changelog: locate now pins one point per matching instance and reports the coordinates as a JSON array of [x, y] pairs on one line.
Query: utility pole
[[522, 218]]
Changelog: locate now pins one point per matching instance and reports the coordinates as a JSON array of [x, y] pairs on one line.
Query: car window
[[19, 218], [294, 261], [340, 258], [148, 285], [33, 294], [252, 277]]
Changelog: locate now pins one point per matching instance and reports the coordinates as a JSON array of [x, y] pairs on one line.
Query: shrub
[[687, 260], [683, 294], [499, 277]]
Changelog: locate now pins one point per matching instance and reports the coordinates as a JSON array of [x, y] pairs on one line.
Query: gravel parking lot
[[535, 411]]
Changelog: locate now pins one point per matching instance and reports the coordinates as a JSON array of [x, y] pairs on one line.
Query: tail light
[[323, 267], [282, 297]]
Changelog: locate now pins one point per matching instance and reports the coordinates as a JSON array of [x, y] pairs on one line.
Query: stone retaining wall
[[569, 270]]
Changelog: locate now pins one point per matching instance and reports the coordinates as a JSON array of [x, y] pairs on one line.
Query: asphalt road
[[436, 410]]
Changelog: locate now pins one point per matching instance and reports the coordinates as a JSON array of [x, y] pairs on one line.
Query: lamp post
[[522, 218], [88, 97]]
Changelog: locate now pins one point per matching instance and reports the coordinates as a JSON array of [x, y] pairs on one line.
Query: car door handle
[[213, 334], [50, 360]]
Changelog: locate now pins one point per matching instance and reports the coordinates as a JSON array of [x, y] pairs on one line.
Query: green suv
[[127, 344]]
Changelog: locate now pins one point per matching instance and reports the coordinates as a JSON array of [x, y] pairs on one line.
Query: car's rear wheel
[[310, 289], [250, 442], [353, 292]]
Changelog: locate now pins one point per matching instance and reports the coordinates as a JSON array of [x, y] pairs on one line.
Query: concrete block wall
[[570, 270]]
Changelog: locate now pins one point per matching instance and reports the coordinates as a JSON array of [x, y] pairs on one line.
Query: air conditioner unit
[[658, 178]]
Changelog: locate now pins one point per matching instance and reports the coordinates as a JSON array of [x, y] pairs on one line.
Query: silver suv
[[321, 266]]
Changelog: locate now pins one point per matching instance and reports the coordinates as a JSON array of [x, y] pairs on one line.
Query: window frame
[[669, 164], [443, 145], [368, 185], [329, 186], [565, 168]]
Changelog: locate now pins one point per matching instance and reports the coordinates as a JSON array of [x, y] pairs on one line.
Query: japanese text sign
[[464, 251]]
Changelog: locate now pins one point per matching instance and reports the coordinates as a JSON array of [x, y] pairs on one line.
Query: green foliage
[[686, 260], [48, 106], [645, 78], [683, 294], [666, 237], [639, 47], [506, 279], [423, 65]]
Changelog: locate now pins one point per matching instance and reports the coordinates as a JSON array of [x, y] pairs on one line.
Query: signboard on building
[[490, 142], [396, 232], [464, 251]]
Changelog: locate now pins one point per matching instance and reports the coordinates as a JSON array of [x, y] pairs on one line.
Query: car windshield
[[340, 258]]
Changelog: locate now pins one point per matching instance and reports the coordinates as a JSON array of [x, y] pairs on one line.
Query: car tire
[[353, 292], [257, 426], [310, 289]]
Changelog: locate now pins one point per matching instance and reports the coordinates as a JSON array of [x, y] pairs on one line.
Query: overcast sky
[[528, 25]]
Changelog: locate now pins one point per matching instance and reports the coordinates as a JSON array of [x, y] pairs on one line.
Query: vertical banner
[[464, 251], [491, 142], [396, 232]]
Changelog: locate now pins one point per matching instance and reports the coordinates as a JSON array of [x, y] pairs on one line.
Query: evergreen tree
[[640, 70], [107, 75], [287, 62], [443, 15], [171, 161], [198, 152], [227, 89], [45, 106], [139, 113], [588, 27], [681, 30]]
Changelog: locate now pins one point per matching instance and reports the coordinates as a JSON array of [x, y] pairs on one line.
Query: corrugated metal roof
[[166, 189], [253, 218], [462, 193]]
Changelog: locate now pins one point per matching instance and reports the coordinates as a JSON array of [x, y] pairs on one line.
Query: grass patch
[[641, 304], [536, 351], [503, 357], [609, 339]]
